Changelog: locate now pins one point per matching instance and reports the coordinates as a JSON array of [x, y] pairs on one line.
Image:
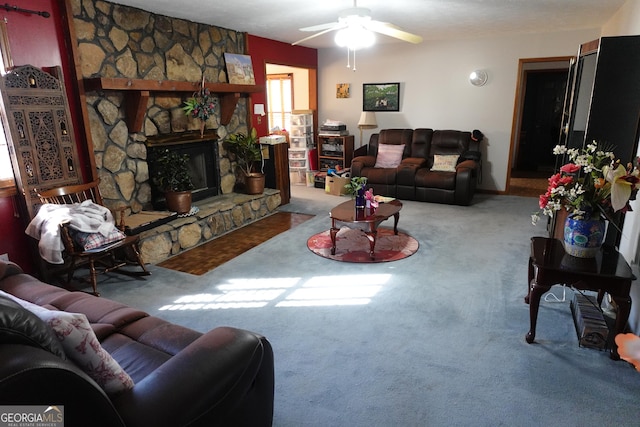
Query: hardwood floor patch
[[210, 255]]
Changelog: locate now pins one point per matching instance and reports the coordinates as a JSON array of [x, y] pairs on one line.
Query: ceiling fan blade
[[320, 27], [393, 31], [316, 35]]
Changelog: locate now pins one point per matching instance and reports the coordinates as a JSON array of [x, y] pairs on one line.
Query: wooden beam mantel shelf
[[137, 92]]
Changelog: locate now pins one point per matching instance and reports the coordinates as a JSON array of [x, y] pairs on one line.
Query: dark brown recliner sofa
[[182, 377], [413, 178]]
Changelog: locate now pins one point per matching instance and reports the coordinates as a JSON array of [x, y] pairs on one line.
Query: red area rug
[[353, 245]]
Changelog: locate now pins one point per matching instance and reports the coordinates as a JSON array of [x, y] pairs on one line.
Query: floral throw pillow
[[445, 162], [81, 345], [389, 155]]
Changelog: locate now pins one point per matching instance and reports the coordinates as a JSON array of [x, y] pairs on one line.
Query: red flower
[[544, 200], [570, 168], [566, 180]]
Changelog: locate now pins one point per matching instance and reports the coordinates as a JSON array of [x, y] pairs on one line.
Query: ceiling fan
[[355, 28]]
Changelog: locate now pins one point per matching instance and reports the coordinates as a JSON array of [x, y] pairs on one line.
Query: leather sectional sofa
[[455, 154], [182, 377]]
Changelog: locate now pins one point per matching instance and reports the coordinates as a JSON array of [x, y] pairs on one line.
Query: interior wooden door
[[40, 131]]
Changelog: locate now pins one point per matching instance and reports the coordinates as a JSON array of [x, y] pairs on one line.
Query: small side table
[[607, 272]]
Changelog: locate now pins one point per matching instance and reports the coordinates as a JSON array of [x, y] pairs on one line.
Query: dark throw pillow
[[20, 326]]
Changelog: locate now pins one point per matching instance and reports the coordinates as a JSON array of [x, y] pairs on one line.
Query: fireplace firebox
[[203, 163]]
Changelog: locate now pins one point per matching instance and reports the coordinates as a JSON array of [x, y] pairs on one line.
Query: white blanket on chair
[[86, 216]]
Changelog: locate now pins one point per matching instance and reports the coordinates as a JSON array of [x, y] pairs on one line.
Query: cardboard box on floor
[[335, 185]]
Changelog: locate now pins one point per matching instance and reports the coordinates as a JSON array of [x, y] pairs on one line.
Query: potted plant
[[247, 152], [171, 175], [356, 187]]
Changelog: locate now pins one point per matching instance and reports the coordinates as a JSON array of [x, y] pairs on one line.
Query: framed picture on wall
[[343, 90], [381, 97], [239, 69]]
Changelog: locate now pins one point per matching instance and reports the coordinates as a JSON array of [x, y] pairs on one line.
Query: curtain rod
[[10, 8]]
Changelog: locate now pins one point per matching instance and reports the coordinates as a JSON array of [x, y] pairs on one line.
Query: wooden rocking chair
[[112, 256]]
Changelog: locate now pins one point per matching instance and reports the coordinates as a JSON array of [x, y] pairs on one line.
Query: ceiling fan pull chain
[[348, 64], [354, 59]]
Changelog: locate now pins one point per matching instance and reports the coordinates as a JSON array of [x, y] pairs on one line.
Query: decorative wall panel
[[36, 113]]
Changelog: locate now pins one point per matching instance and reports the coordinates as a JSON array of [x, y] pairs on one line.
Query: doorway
[[537, 120]]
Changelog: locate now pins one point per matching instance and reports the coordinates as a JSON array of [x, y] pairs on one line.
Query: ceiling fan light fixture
[[354, 37]]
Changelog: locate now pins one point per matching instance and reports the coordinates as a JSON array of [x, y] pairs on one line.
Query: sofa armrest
[[361, 162], [33, 376], [467, 164], [466, 178], [8, 268], [224, 375]]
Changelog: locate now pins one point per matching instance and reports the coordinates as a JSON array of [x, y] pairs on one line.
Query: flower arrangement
[[355, 184], [592, 184], [201, 105]]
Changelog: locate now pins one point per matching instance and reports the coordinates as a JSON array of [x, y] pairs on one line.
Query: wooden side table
[[607, 272]]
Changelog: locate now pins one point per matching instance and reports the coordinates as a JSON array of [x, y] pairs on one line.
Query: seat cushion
[[90, 241], [432, 179]]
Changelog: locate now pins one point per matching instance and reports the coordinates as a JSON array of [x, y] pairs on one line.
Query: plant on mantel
[[201, 105]]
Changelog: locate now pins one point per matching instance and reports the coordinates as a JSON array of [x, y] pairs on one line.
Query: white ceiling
[[431, 19]]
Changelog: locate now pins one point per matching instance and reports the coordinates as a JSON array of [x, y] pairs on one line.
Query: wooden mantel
[[137, 92]]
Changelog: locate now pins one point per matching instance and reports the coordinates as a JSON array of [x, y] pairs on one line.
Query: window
[[7, 179], [280, 100]]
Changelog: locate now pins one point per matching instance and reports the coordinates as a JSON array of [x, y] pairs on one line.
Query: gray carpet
[[436, 339]]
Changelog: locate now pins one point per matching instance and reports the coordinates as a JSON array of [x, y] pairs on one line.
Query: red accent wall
[[265, 51], [38, 41]]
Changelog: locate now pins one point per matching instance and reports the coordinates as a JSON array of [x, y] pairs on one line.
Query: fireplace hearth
[[203, 162]]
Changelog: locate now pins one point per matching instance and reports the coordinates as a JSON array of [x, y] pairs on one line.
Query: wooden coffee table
[[365, 219]]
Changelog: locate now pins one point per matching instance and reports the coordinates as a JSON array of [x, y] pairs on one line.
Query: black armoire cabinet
[[603, 101]]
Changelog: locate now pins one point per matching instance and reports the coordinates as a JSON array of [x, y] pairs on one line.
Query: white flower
[[620, 188], [559, 149], [573, 153], [535, 217]]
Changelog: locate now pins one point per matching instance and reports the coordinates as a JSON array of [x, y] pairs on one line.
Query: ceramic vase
[[583, 237]]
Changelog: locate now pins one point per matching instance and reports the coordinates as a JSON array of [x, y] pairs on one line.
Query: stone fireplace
[[120, 42], [160, 61]]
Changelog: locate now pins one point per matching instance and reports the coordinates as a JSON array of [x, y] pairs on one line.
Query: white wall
[[435, 91], [627, 22]]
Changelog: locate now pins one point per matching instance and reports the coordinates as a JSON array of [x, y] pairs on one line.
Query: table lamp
[[367, 121]]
